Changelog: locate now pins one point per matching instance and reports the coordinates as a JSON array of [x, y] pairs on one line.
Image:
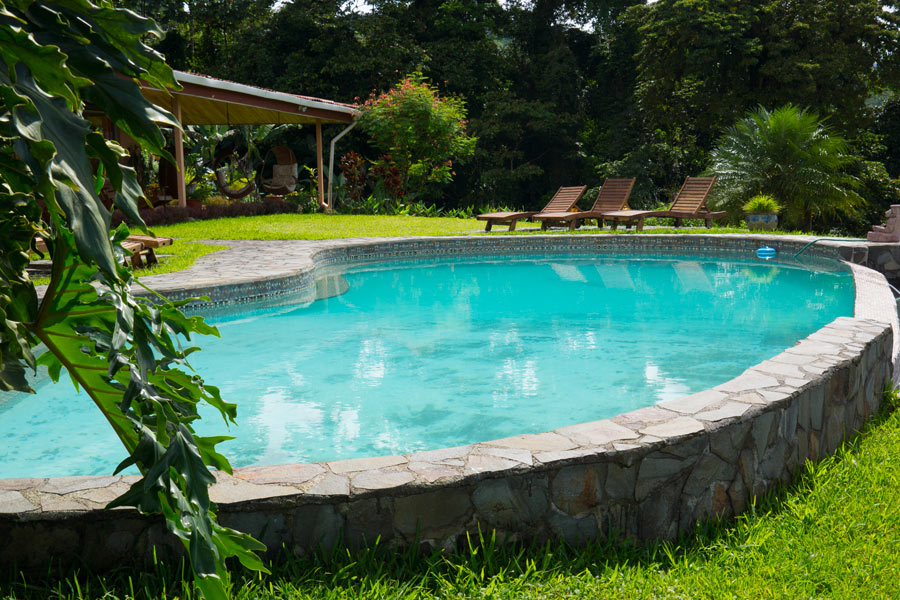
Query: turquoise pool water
[[420, 355]]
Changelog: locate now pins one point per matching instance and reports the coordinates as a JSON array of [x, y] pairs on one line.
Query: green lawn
[[836, 534], [326, 227], [183, 253], [316, 227]]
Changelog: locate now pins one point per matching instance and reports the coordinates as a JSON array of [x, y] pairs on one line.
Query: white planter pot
[[762, 222]]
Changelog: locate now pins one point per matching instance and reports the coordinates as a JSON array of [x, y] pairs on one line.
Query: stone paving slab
[[695, 402], [12, 502]]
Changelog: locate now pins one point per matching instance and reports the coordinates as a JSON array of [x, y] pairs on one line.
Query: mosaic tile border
[[296, 270]]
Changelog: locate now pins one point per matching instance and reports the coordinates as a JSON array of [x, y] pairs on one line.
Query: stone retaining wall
[[648, 474], [884, 258]]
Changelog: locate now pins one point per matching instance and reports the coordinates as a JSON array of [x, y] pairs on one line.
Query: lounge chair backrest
[[693, 194], [613, 195], [564, 199]]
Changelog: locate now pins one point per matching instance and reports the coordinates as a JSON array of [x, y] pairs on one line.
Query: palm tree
[[790, 154]]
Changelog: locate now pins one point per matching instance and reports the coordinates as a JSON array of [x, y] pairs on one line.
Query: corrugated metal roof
[[209, 101]]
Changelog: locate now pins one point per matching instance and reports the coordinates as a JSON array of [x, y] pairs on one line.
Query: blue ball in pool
[[766, 252]]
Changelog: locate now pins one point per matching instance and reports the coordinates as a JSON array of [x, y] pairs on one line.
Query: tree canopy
[[564, 91]]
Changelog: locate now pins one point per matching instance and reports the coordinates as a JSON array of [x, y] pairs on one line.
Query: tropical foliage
[[122, 350], [419, 133], [791, 155], [565, 91]]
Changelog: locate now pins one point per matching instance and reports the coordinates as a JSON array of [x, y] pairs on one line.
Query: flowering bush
[[420, 134]]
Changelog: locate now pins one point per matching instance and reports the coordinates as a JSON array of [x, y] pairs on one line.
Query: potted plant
[[198, 193], [762, 213]]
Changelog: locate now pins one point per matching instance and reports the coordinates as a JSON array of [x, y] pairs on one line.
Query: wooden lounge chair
[[563, 200], [689, 203], [613, 196]]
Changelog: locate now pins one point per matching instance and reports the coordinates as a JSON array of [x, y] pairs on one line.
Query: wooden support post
[[320, 168], [179, 155]]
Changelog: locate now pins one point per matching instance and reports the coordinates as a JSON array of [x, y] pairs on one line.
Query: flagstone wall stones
[[648, 474], [884, 258]]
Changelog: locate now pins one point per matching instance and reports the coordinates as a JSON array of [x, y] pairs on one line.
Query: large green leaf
[[127, 107], [17, 46], [127, 31], [90, 221], [125, 352], [93, 56], [66, 131], [150, 402], [69, 308], [123, 179], [18, 300]]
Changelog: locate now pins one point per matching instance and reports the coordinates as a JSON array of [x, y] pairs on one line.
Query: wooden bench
[[149, 244], [141, 248]]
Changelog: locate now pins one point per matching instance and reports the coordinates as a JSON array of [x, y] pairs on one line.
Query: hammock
[[234, 194], [222, 180]]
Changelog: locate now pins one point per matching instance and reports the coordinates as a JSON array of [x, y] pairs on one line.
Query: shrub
[[762, 204], [790, 154], [353, 168], [419, 133], [389, 179], [302, 201], [879, 190]]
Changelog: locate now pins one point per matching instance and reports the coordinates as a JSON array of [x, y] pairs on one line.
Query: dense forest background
[[564, 92]]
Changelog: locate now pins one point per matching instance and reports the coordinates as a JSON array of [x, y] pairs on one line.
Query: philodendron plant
[[124, 351]]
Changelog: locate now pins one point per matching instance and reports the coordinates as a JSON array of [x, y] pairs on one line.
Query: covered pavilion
[[209, 101]]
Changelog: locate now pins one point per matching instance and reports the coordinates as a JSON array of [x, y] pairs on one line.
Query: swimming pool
[[420, 355]]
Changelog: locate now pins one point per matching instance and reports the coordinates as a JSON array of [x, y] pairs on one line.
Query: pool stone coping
[[718, 447]]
